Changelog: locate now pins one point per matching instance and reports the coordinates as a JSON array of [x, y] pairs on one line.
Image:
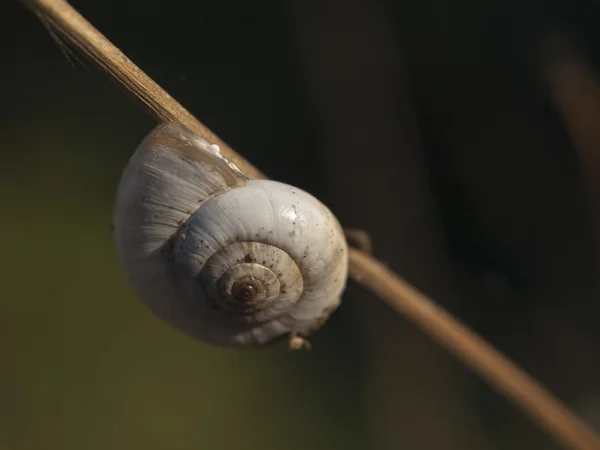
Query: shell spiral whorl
[[241, 279], [228, 259]]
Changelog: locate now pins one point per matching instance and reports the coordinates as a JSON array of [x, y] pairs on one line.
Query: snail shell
[[225, 258]]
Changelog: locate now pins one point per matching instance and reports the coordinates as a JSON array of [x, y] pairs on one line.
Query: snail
[[227, 259]]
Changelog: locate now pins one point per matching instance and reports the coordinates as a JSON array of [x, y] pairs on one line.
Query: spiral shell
[[225, 258]]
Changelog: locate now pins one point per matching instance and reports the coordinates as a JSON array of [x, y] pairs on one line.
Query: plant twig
[[501, 373], [74, 28]]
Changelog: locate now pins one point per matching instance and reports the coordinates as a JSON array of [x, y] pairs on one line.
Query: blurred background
[[462, 135]]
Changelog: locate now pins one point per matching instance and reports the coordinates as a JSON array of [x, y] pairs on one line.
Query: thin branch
[[501, 373], [74, 28]]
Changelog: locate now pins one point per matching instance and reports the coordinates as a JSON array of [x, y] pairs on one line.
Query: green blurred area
[[86, 365]]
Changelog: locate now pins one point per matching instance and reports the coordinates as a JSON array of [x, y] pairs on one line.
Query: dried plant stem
[[481, 357], [501, 373], [74, 28]]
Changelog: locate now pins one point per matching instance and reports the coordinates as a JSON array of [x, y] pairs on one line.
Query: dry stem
[[501, 373]]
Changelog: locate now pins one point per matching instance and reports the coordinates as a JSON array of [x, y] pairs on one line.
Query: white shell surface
[[179, 202]]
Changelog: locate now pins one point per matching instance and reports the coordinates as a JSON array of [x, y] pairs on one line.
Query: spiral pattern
[[250, 280]]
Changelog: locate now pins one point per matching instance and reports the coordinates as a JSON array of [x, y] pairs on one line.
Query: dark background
[[431, 124]]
